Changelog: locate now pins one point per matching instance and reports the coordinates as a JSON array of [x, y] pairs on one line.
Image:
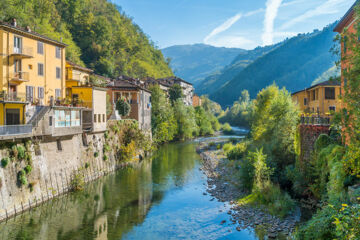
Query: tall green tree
[[175, 92]]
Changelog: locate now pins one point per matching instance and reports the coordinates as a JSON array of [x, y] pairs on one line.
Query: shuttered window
[[30, 93], [57, 93], [40, 48], [41, 92], [40, 69], [58, 72]]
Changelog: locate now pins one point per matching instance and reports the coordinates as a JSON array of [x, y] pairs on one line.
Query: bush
[[14, 151], [107, 148], [127, 152], [22, 177], [347, 221], [31, 187], [106, 135], [238, 151], [28, 169], [123, 107], [5, 162], [21, 152], [226, 128], [105, 157], [87, 165], [227, 147], [96, 154], [77, 182]]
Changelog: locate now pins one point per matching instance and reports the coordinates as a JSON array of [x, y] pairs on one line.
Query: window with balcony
[[40, 69], [58, 72], [17, 65], [330, 93], [17, 44], [40, 48], [58, 52]]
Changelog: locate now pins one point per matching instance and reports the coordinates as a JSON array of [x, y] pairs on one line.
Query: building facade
[[322, 99], [196, 101], [138, 97]]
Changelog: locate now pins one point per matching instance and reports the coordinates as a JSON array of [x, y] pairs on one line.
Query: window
[[58, 52], [58, 72], [17, 65], [50, 121], [12, 116], [40, 48], [59, 146], [95, 118], [330, 93], [40, 69], [17, 44], [305, 101], [30, 93], [40, 92], [99, 118], [57, 93], [103, 117], [332, 108]]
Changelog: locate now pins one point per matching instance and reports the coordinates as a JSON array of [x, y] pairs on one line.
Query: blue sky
[[231, 23]]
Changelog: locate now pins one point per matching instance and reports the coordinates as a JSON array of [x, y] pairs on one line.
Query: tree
[[175, 92], [123, 107]]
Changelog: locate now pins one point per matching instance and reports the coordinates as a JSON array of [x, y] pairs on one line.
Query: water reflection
[[161, 198]]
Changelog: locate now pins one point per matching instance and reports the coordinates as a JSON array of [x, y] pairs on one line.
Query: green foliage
[[96, 154], [106, 148], [226, 128], [123, 107], [106, 135], [127, 152], [87, 165], [77, 182], [186, 120], [227, 147], [5, 162], [210, 106], [105, 157], [204, 122], [28, 169], [175, 93], [21, 152], [21, 176], [347, 221], [31, 187], [238, 151]]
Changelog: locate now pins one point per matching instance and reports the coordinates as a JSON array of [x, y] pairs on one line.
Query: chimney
[[28, 29], [13, 23]]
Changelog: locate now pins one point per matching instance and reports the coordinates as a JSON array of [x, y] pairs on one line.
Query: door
[[13, 92], [12, 116]]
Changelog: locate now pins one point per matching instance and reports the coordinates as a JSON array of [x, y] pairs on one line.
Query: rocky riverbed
[[223, 186]]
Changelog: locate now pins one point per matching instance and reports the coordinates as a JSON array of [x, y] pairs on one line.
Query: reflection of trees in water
[[109, 207]]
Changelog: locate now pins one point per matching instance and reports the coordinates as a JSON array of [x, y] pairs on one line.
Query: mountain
[[293, 64], [334, 72], [98, 33], [195, 62], [217, 79]]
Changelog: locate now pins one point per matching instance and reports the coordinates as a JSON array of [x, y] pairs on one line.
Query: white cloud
[[234, 41], [272, 7], [328, 7], [223, 27]]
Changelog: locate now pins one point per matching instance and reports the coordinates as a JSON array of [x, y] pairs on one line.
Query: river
[[160, 198]]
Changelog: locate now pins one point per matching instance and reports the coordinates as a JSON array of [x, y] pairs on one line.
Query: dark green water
[[161, 198]]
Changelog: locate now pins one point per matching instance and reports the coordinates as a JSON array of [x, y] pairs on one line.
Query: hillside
[[217, 79], [99, 35], [295, 64], [195, 62]]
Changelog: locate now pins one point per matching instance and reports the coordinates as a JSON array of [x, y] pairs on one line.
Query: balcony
[[13, 130], [19, 77], [12, 97], [315, 120], [21, 52]]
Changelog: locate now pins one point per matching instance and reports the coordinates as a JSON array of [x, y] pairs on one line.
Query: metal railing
[[20, 76], [15, 129], [12, 96], [23, 51], [317, 120]]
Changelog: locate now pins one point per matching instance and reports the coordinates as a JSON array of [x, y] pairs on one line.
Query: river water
[[160, 198]]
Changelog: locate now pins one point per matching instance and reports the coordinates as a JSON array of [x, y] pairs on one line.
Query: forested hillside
[[295, 64], [214, 81], [195, 62], [99, 35]]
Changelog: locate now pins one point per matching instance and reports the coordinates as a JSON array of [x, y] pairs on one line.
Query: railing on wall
[[12, 96], [315, 120], [15, 129]]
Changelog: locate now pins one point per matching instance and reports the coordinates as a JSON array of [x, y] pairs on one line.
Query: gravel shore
[[223, 187]]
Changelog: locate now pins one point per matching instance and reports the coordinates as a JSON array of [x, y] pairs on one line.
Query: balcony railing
[[26, 52], [19, 77], [15, 129], [318, 120], [12, 96]]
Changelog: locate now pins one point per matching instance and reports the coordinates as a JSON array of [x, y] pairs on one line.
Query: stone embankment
[[223, 186]]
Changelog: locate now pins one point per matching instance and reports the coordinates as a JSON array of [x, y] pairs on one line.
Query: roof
[[23, 31], [174, 79], [346, 18], [92, 87], [329, 83], [125, 85], [74, 65]]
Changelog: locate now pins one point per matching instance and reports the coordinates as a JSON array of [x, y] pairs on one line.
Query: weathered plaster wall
[[308, 136]]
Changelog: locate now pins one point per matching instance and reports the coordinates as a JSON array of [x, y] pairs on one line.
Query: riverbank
[[223, 186]]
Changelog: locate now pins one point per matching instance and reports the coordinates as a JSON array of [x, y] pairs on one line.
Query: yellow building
[[32, 73], [321, 99], [82, 94]]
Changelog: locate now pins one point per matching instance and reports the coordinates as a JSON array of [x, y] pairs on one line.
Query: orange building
[[196, 101], [322, 98], [346, 24]]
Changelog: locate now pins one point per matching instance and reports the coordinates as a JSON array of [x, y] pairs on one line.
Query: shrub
[[14, 151], [28, 169], [105, 157], [123, 107], [238, 151], [4, 162], [96, 154], [77, 182], [127, 152], [31, 187], [106, 148], [22, 177], [226, 128], [87, 165], [106, 135], [212, 144], [347, 221], [21, 152], [227, 147]]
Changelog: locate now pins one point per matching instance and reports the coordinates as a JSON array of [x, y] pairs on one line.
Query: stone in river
[[222, 222]]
